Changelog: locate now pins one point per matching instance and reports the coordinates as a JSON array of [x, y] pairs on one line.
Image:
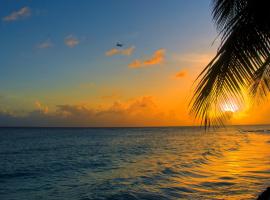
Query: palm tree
[[242, 61]]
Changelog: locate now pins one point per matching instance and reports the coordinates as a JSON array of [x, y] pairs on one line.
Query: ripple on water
[[200, 161], [226, 178], [169, 171], [16, 175], [179, 189], [137, 196], [193, 174], [215, 184], [177, 192], [131, 164]]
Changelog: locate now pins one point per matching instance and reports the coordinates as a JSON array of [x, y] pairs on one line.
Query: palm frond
[[261, 84], [243, 57]]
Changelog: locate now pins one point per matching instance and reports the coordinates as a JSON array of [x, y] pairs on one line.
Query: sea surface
[[134, 163]]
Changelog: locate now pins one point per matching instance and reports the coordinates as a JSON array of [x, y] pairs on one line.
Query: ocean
[[134, 163]]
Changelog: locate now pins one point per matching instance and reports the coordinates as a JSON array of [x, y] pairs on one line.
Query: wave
[[133, 164], [255, 131]]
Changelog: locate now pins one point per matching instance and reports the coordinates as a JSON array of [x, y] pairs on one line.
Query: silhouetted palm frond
[[242, 59]]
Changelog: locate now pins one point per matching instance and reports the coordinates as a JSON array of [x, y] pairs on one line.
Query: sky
[[61, 65]]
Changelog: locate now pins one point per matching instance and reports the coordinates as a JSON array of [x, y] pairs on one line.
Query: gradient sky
[[60, 65]]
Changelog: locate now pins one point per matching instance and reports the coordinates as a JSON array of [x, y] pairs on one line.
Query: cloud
[[157, 58], [126, 52], [42, 108], [181, 74], [71, 41], [193, 58], [135, 112], [194, 63], [74, 111], [138, 106], [46, 44], [16, 15]]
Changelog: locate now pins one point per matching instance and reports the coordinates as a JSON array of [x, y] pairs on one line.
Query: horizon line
[[110, 127]]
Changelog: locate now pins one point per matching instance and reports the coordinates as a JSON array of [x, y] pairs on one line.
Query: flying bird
[[119, 44]]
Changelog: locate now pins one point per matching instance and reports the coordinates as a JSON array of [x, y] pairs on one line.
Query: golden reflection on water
[[243, 167], [216, 166], [192, 165]]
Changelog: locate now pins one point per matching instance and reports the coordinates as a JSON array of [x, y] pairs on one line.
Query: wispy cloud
[[193, 63], [45, 44], [157, 58], [19, 14], [181, 74], [71, 41], [194, 58], [127, 52]]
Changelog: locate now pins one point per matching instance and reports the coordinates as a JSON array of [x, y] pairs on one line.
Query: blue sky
[[38, 64]]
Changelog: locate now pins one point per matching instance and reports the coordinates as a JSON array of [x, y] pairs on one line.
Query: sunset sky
[[60, 65]]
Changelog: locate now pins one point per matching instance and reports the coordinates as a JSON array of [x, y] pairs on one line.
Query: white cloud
[[71, 41], [46, 44], [16, 15]]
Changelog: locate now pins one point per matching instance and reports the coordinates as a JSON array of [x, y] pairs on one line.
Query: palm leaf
[[241, 61]]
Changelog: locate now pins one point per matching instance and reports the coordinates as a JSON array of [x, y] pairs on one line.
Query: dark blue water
[[133, 163]]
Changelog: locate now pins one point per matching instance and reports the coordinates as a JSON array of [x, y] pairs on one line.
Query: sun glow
[[229, 107]]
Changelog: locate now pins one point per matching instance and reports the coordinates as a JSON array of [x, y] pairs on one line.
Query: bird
[[118, 44]]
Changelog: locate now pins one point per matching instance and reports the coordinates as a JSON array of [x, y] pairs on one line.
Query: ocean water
[[133, 163]]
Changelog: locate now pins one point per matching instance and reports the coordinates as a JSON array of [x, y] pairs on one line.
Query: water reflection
[[223, 165], [153, 163]]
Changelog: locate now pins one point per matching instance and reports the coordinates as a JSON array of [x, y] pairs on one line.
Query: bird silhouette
[[118, 44]]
